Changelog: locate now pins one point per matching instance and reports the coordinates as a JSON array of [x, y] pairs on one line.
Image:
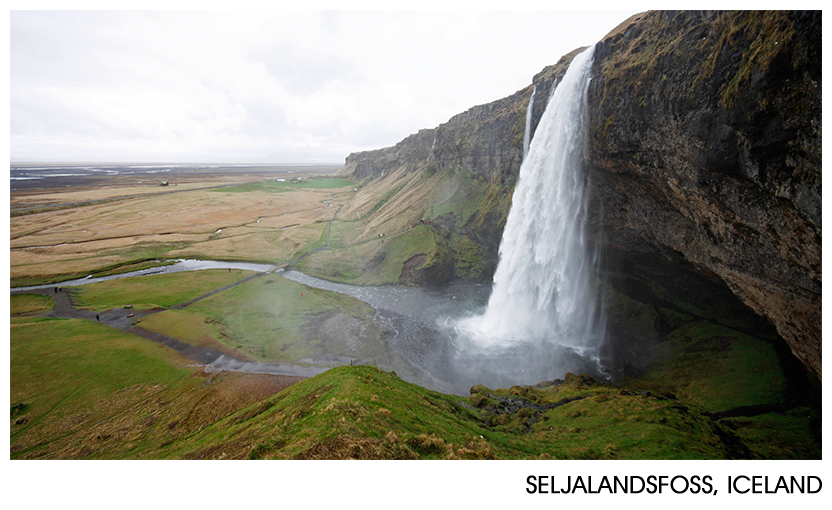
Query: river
[[178, 266]]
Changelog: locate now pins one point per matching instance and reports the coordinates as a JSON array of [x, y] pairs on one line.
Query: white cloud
[[278, 85]]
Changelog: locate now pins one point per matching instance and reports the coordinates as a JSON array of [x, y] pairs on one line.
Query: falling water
[[541, 319], [528, 134]]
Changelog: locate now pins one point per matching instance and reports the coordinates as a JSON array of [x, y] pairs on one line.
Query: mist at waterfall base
[[542, 318]]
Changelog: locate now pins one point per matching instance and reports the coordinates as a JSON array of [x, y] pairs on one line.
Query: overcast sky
[[277, 87]]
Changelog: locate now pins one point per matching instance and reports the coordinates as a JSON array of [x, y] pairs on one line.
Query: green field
[[275, 319], [155, 291], [273, 186], [29, 303], [68, 374]]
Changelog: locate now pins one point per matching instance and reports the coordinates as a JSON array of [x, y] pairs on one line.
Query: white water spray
[[542, 307], [527, 135]]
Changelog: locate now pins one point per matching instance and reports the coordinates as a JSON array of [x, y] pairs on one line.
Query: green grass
[[778, 436], [83, 390], [609, 425], [717, 368], [272, 186], [62, 369], [30, 303], [162, 291], [322, 183], [275, 319], [363, 412], [349, 412], [374, 262]]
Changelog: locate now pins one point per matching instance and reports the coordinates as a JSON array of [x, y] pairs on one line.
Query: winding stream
[[179, 266]]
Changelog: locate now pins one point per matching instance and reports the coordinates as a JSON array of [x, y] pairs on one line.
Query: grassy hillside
[[380, 236], [362, 412], [84, 390]]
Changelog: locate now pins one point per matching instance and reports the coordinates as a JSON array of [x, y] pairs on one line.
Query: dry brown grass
[[198, 223], [397, 201], [30, 198]]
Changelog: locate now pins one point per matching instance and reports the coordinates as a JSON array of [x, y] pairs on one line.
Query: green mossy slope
[[365, 413]]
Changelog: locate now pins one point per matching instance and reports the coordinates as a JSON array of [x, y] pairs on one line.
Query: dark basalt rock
[[706, 142]]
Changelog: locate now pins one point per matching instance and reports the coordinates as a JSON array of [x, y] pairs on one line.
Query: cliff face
[[704, 157], [706, 145], [486, 141]]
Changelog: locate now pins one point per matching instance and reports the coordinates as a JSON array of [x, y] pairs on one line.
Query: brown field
[[255, 226], [203, 216]]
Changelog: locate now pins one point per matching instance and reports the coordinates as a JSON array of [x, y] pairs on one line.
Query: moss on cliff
[[764, 36]]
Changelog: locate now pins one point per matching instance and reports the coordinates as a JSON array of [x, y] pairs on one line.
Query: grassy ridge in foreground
[[82, 390], [363, 412]]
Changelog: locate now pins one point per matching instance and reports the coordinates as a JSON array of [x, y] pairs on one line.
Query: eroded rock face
[[706, 141]]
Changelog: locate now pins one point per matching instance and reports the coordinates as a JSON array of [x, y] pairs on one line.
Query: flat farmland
[[123, 229]]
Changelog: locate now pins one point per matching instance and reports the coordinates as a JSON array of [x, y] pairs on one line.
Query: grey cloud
[[302, 84], [299, 70]]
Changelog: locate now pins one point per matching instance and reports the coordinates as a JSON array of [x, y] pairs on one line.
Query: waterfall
[[542, 319], [527, 135]]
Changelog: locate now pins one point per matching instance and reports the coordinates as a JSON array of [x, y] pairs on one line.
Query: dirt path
[[125, 319], [324, 247]]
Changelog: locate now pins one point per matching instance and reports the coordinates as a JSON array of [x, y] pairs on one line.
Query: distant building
[[163, 183]]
